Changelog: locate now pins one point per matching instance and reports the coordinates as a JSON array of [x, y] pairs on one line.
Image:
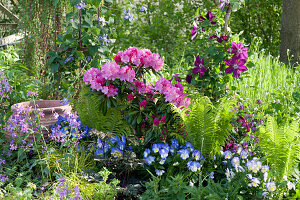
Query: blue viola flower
[[193, 166], [121, 145], [123, 139], [196, 154], [162, 161], [146, 153], [143, 9], [227, 154], [65, 101], [189, 146], [128, 15], [80, 5], [164, 146], [159, 172], [99, 143], [155, 148], [88, 58], [175, 143], [114, 139], [150, 160], [211, 175], [104, 39], [163, 153], [69, 59], [116, 152], [106, 146], [184, 153], [99, 152]]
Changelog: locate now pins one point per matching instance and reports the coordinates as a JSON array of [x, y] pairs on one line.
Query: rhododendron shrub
[[217, 58], [121, 84]]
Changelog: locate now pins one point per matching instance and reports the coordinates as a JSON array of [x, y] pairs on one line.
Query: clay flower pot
[[48, 107]]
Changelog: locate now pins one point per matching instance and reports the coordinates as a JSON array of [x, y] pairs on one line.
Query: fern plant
[[281, 146], [89, 111], [208, 125]]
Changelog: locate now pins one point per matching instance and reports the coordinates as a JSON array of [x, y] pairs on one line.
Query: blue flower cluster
[[163, 152], [68, 127], [115, 146]]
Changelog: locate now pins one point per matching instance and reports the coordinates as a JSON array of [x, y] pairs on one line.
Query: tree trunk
[[290, 32]]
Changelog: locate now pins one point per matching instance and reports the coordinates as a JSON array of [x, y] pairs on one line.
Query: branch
[[228, 11]]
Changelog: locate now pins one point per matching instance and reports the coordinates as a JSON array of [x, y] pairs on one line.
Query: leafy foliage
[[207, 125], [89, 111], [281, 145]]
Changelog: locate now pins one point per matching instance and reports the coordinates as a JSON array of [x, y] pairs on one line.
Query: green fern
[[281, 146], [88, 109], [208, 126]]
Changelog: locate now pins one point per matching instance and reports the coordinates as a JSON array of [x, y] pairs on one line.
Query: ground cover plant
[[203, 114]]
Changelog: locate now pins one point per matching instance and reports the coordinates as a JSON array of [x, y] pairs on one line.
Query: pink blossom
[[127, 74], [163, 120], [98, 82], [156, 122], [117, 58], [143, 104], [140, 86], [110, 71], [130, 97], [163, 85], [90, 74], [109, 91], [178, 85]]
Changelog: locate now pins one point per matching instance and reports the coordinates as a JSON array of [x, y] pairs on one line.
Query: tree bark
[[290, 32]]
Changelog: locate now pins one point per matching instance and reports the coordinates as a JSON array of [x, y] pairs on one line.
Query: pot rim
[[44, 109]]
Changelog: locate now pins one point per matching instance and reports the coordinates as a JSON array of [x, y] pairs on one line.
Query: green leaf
[[139, 119], [54, 67], [55, 2], [93, 50]]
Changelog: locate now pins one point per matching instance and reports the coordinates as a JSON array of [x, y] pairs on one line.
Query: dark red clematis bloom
[[220, 38], [199, 67], [209, 16]]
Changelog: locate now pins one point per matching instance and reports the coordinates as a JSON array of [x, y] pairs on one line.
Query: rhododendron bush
[[121, 85]]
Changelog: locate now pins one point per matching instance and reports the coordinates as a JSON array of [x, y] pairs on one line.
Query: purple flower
[[31, 93], [235, 66], [184, 153], [88, 58], [209, 16], [65, 101], [104, 39], [80, 5], [146, 153], [189, 78], [211, 175], [128, 15], [199, 67], [143, 9], [159, 172], [220, 38], [69, 59], [239, 51], [258, 102], [150, 160], [102, 20], [223, 3], [194, 31]]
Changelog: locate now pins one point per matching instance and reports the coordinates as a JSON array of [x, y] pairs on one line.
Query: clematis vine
[[199, 67], [239, 51], [223, 3], [220, 38], [194, 31], [235, 66], [209, 16]]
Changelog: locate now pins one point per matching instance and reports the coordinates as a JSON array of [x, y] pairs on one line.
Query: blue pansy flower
[[116, 152], [159, 172], [163, 153], [175, 143], [155, 148], [193, 166], [106, 146], [162, 161], [99, 152], [121, 145], [99, 143], [184, 153], [146, 153], [189, 146], [114, 139], [150, 160], [196, 154], [123, 139]]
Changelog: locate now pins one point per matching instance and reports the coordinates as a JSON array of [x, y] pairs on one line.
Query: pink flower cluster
[[140, 58], [109, 72], [173, 93]]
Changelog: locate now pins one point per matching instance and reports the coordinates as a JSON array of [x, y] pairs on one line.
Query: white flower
[[291, 186], [271, 186]]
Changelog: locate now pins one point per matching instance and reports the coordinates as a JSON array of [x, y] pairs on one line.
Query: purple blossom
[[220, 38], [69, 59], [235, 66], [189, 78], [223, 3], [239, 51], [80, 5], [128, 15], [194, 31], [104, 39], [258, 102], [65, 101], [209, 16], [199, 67], [143, 9], [32, 93], [102, 20]]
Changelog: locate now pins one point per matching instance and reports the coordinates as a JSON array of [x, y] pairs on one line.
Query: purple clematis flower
[[220, 38], [194, 31], [235, 66], [199, 67], [239, 50], [223, 3], [189, 78], [209, 16]]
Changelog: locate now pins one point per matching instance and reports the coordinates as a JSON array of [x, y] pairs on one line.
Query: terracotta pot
[[48, 107]]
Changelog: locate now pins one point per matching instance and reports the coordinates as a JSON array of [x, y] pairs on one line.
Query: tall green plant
[[208, 125], [281, 145]]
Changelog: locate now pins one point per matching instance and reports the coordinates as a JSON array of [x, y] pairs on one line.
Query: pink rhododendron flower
[[98, 82], [156, 122], [130, 97], [140, 86], [163, 85], [127, 74], [178, 85], [143, 104], [110, 71], [109, 91], [163, 120], [90, 74]]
